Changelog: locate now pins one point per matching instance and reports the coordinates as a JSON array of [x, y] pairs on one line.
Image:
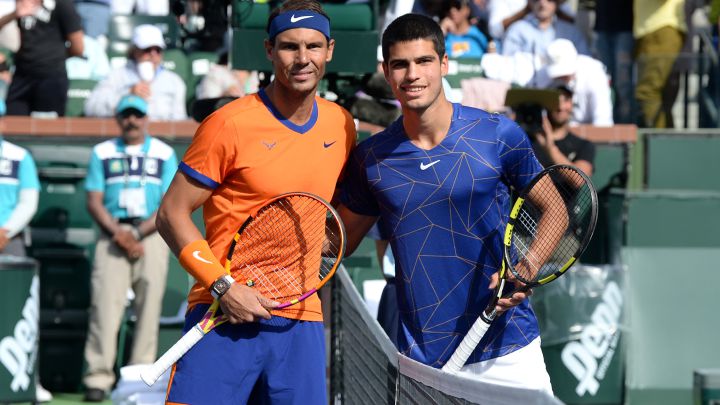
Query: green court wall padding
[[676, 218], [609, 172], [682, 161], [671, 318]]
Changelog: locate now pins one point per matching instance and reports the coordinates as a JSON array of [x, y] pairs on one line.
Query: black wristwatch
[[221, 286]]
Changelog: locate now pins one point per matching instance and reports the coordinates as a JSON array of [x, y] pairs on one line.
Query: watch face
[[221, 286]]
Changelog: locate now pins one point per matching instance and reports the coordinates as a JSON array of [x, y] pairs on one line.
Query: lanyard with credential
[[127, 167]]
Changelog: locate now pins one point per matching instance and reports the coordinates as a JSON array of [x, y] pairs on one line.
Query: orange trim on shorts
[[167, 392]]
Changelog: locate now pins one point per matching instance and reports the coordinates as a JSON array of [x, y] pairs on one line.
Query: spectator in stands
[[419, 176], [586, 77], [614, 47], [93, 65], [533, 33], [144, 7], [503, 13], [143, 76], [462, 39], [40, 82], [556, 145], [126, 179], [204, 23], [659, 29], [223, 81], [95, 15]]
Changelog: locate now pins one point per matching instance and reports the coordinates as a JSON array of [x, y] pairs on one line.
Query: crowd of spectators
[[599, 45], [516, 43]]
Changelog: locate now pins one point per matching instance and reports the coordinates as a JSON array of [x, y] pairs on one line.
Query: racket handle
[[468, 345], [154, 371]]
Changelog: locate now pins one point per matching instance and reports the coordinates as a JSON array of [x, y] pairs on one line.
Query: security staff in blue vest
[[127, 177], [19, 191]]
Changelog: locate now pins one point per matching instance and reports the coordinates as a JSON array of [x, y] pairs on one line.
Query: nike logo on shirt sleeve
[[294, 19]]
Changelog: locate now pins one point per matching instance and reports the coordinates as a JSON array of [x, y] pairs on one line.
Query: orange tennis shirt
[[248, 153]]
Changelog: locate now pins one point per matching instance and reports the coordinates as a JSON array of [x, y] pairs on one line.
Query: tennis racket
[[288, 250], [550, 225]]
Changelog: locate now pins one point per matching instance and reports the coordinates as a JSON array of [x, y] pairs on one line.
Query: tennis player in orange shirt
[[282, 139]]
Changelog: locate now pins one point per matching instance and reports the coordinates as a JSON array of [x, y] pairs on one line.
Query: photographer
[[555, 144]]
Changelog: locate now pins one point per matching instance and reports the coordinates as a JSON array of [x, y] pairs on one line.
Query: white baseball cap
[[561, 58], [146, 36]]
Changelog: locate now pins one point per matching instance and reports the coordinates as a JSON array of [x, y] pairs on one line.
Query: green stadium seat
[[175, 60], [199, 65], [353, 26], [62, 170], [78, 91]]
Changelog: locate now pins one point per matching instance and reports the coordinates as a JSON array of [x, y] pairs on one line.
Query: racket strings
[[288, 248], [551, 225]]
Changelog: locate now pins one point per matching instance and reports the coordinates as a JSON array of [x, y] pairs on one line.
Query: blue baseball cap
[[132, 101]]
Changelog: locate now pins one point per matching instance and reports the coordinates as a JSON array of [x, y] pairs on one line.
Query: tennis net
[[365, 367]]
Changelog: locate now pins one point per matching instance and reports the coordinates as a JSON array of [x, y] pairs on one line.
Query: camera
[[529, 117], [529, 105]]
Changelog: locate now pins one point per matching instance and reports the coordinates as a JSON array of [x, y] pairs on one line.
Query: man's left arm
[[71, 26]]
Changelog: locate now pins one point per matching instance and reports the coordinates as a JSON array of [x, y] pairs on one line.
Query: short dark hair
[[294, 5], [410, 27]]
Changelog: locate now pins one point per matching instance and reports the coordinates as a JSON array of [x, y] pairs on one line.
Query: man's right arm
[[175, 225]]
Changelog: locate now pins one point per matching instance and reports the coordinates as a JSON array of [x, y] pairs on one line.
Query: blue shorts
[[276, 361]]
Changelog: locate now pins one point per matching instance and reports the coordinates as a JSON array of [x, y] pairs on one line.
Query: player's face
[[299, 57], [414, 71]]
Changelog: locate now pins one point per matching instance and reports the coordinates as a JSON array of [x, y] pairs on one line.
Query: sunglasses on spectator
[[132, 112], [155, 49]]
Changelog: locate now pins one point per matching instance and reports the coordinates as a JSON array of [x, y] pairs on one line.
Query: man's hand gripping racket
[[550, 225], [286, 251]]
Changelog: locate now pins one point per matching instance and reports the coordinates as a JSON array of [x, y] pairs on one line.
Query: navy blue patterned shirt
[[445, 210]]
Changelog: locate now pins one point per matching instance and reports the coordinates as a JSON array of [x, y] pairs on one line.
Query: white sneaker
[[41, 394]]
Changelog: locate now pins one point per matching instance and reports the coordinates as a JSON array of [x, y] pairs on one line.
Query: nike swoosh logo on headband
[[294, 19], [196, 254]]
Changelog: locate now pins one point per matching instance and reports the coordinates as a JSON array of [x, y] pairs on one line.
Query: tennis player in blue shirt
[[440, 177]]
